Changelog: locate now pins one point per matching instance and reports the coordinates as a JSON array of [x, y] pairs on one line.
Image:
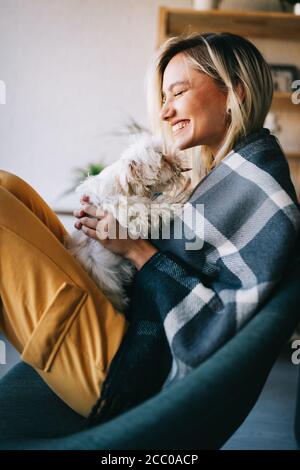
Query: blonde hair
[[233, 62]]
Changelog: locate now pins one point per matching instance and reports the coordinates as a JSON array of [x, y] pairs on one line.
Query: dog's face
[[147, 169], [143, 170]]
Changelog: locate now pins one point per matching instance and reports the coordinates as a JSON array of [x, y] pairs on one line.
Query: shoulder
[[263, 154], [255, 166]]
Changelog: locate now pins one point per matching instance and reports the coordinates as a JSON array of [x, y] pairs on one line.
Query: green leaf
[[131, 126]]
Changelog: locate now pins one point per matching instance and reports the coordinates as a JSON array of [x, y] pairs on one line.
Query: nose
[[167, 111]]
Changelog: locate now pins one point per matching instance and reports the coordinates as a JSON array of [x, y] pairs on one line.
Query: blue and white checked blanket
[[186, 303], [245, 215]]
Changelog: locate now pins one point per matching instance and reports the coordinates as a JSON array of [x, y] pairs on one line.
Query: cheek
[[209, 108], [199, 107]]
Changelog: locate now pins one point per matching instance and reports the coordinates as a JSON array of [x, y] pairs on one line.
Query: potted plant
[[92, 169]]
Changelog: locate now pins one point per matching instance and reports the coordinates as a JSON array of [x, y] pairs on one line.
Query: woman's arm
[[195, 319], [141, 252]]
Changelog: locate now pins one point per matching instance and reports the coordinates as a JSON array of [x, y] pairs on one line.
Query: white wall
[[73, 69]]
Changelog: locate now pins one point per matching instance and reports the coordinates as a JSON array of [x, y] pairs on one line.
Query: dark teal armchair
[[201, 411]]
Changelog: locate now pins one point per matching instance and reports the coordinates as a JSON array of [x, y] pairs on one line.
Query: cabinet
[[283, 27]]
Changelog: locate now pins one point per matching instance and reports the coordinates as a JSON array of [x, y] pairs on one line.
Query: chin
[[185, 141], [184, 144]]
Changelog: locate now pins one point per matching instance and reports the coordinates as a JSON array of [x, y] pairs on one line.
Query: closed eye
[[179, 93], [175, 94]]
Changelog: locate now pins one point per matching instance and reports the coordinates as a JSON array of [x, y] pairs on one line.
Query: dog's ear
[[121, 184], [177, 163], [133, 169], [130, 180]]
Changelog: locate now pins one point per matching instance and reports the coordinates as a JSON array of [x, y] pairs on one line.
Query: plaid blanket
[[240, 227], [241, 222]]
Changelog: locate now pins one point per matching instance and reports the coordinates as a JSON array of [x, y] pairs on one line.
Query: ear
[[240, 91]]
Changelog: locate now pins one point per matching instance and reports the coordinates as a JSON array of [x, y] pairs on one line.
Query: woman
[[212, 92]]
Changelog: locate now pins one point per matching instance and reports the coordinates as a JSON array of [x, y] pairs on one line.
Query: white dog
[[142, 190]]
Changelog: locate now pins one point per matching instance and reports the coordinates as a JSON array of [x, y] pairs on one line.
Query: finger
[[102, 229], [78, 225], [89, 222], [94, 211], [78, 213], [84, 199], [89, 232], [89, 209]]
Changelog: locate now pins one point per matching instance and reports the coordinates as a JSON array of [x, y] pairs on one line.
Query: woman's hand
[[103, 227]]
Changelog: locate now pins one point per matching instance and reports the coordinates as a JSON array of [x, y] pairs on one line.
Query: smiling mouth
[[180, 126]]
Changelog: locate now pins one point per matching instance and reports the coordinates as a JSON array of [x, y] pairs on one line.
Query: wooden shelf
[[292, 155], [283, 101], [175, 21], [250, 24], [63, 212]]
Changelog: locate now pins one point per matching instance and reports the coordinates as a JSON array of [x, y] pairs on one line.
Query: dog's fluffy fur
[[145, 181]]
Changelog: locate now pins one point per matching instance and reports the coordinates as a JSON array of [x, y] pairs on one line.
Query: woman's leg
[[53, 313], [26, 194]]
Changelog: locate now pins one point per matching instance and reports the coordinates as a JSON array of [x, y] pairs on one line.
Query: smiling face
[[193, 105]]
